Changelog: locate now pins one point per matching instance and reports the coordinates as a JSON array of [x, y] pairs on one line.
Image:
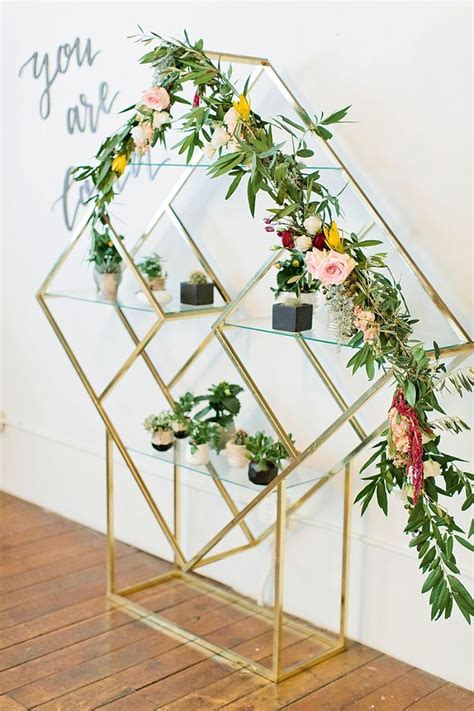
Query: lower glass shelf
[[238, 477]]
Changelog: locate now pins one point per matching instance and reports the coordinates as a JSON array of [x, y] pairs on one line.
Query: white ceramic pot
[[179, 429], [163, 297], [162, 440], [199, 457], [107, 284], [237, 455]]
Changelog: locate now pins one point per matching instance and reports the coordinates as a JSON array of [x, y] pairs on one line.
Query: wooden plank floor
[[63, 646]]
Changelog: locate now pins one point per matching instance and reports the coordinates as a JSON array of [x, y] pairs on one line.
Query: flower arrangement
[[376, 316], [152, 268]]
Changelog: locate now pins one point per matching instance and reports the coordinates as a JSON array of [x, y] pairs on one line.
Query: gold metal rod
[[109, 464], [228, 500], [112, 431], [311, 662], [346, 534], [252, 386], [205, 342], [176, 498], [192, 313], [277, 643], [64, 254], [126, 365], [151, 366], [448, 351], [410, 262], [234, 304], [225, 554], [197, 253], [356, 426], [151, 582], [236, 58]]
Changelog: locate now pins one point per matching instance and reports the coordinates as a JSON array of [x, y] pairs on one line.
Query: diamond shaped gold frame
[[183, 568]]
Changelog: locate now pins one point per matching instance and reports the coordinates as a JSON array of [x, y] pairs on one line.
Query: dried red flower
[[269, 228], [196, 100]]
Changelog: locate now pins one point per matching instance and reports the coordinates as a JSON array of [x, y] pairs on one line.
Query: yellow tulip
[[119, 163], [242, 106], [333, 238]]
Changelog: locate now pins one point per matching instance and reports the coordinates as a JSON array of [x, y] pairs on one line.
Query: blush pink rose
[[156, 98], [329, 267]]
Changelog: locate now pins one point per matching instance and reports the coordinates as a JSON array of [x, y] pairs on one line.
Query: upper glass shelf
[[238, 477], [321, 333], [135, 302], [182, 164]]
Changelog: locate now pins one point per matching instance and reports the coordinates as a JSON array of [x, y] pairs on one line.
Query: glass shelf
[[238, 477], [174, 164], [320, 332], [134, 301]]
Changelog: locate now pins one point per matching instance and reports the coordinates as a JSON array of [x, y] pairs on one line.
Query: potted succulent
[[180, 419], [265, 457], [198, 290], [222, 405], [292, 315], [202, 433], [293, 279], [162, 435], [236, 450], [107, 264], [152, 269]]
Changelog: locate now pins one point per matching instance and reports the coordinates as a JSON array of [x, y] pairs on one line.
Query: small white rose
[[138, 134], [312, 224], [231, 119], [160, 118], [209, 151], [220, 137], [431, 468], [303, 243]]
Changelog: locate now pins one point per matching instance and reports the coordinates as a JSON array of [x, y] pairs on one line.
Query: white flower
[[209, 151], [405, 492], [303, 243], [233, 146], [220, 137], [231, 119], [138, 134], [160, 118], [431, 468], [312, 224]]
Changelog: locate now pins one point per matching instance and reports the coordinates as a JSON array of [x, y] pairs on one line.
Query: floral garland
[[358, 286]]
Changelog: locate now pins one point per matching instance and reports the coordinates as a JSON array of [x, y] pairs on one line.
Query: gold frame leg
[[109, 466]]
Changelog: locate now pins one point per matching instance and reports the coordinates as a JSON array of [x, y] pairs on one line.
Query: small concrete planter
[[197, 294], [107, 284], [237, 455], [292, 318], [162, 440], [199, 457], [262, 478]]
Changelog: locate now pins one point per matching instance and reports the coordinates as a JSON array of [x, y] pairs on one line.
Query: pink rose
[[156, 98], [329, 267]]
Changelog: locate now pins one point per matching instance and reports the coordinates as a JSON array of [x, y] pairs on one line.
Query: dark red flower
[[319, 240], [196, 100], [269, 228], [267, 220], [287, 238]]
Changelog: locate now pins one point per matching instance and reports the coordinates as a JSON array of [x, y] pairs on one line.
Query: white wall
[[405, 68]]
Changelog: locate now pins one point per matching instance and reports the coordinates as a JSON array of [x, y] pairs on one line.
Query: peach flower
[[156, 98], [329, 267]]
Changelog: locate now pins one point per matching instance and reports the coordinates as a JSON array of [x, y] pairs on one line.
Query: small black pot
[[197, 294], [182, 434], [292, 318], [162, 447], [264, 477]]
